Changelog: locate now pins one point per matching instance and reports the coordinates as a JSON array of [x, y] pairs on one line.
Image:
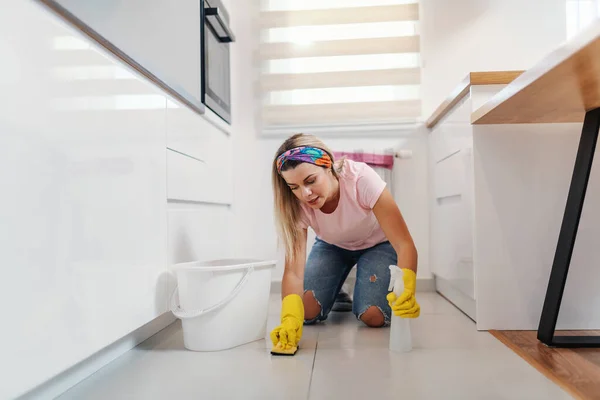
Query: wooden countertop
[[473, 78], [560, 88]]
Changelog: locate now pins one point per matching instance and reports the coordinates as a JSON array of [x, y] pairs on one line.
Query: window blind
[[339, 62]]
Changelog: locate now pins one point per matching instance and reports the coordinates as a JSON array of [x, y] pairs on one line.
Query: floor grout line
[[312, 370]]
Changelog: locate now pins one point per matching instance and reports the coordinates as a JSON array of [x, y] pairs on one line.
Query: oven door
[[216, 59]]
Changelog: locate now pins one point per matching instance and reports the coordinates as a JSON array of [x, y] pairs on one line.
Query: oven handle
[[214, 12]]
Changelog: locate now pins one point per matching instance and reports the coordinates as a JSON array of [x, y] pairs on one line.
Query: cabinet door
[[198, 232], [451, 174], [452, 233], [83, 208], [198, 159]]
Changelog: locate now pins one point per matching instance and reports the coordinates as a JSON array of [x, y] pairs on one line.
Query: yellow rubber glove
[[405, 305], [289, 332]]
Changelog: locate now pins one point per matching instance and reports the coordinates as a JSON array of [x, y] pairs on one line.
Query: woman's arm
[[286, 336], [395, 229], [293, 275]]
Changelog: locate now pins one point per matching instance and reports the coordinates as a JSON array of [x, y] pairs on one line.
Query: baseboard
[[74, 375], [456, 297], [423, 284]]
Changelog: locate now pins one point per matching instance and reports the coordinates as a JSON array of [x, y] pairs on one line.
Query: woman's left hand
[[406, 305]]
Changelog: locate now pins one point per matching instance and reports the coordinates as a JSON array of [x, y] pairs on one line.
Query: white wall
[[461, 36], [253, 205]]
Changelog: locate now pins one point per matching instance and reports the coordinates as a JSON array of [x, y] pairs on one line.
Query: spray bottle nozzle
[[396, 281], [393, 272]]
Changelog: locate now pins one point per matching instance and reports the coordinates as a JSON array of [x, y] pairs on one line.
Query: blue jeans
[[328, 266]]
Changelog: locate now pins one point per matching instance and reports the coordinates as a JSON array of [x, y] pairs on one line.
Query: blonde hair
[[287, 207]]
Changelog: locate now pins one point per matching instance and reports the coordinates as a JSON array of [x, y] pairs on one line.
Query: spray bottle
[[400, 339]]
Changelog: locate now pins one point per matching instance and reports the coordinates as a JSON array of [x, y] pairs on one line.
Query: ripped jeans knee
[[326, 270], [374, 317], [313, 310]]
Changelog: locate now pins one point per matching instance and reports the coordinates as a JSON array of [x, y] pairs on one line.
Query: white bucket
[[223, 303]]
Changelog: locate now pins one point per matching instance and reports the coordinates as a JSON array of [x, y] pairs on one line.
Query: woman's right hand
[[406, 305], [289, 332]]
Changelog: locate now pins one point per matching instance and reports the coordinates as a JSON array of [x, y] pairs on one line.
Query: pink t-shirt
[[353, 224]]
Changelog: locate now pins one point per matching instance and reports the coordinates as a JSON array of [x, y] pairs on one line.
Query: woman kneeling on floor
[[357, 222]]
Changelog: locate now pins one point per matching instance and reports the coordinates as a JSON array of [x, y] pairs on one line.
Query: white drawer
[[448, 139], [450, 176], [189, 133], [198, 180], [442, 144], [198, 232], [452, 242], [451, 221]]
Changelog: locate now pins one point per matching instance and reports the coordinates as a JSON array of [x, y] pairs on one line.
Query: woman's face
[[311, 184]]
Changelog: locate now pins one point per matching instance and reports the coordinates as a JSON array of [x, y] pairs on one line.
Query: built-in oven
[[216, 79]]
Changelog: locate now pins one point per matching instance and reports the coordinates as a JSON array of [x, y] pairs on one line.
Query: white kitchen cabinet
[[162, 36], [106, 183], [452, 201], [522, 178], [199, 165], [83, 209], [199, 189], [198, 232]]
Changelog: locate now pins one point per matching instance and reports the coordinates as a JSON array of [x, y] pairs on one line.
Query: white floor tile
[[429, 331], [450, 332], [344, 331], [161, 368], [433, 303], [338, 359], [427, 374]]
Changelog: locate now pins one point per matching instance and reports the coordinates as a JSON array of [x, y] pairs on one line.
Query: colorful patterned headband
[[311, 155]]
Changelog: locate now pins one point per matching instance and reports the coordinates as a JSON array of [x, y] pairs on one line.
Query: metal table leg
[[566, 240]]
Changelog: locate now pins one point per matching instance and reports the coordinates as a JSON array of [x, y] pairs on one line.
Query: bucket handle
[[183, 314]]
